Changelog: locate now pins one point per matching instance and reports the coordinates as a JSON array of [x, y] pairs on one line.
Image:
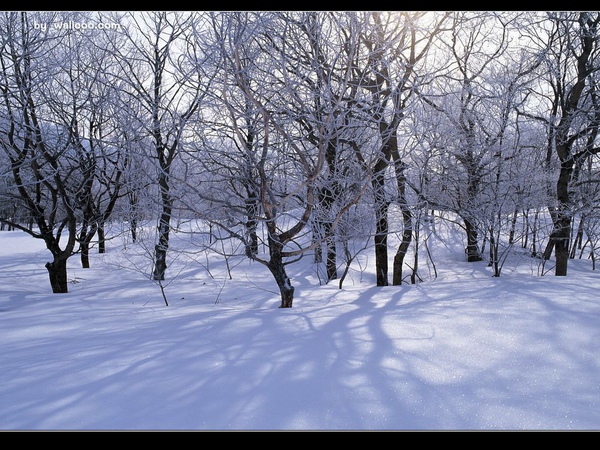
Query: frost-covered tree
[[46, 178], [264, 173], [150, 65], [84, 101], [319, 51], [476, 99], [569, 95], [394, 50]]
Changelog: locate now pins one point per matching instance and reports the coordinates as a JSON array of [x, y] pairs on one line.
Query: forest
[[281, 135]]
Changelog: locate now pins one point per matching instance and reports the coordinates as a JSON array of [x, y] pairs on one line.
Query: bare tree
[[319, 50], [84, 103], [476, 104], [267, 163], [570, 40], [394, 46], [45, 179], [150, 65]]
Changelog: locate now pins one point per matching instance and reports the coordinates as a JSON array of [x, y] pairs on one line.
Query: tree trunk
[[133, 229], [160, 249], [331, 259], [101, 238], [318, 255], [562, 232], [252, 210], [57, 271], [160, 255], [403, 248], [407, 220], [381, 223], [85, 237], [85, 254], [285, 287], [578, 241], [164, 228], [494, 252], [323, 226], [133, 200], [547, 254], [526, 229], [472, 250], [277, 269], [561, 246], [513, 227], [417, 236], [381, 254]]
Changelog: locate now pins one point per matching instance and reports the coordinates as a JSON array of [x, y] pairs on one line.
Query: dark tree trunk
[[407, 219], [283, 282], [578, 241], [403, 247], [252, 196], [533, 230], [132, 197], [85, 238], [85, 254], [494, 256], [549, 246], [547, 254], [57, 271], [318, 255], [472, 250], [381, 235], [399, 262], [327, 198], [561, 246], [164, 228], [381, 225], [417, 233], [562, 231], [331, 261], [84, 247], [513, 227], [101, 238], [277, 268], [253, 243], [133, 229], [160, 252], [252, 210], [324, 230], [323, 233]]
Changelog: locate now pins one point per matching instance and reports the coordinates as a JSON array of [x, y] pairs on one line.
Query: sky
[[460, 351]]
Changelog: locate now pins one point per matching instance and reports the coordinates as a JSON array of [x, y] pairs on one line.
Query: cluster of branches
[[299, 132]]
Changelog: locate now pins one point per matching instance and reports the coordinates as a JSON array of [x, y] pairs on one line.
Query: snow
[[464, 351]]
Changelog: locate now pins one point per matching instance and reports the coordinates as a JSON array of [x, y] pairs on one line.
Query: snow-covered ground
[[463, 351]]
